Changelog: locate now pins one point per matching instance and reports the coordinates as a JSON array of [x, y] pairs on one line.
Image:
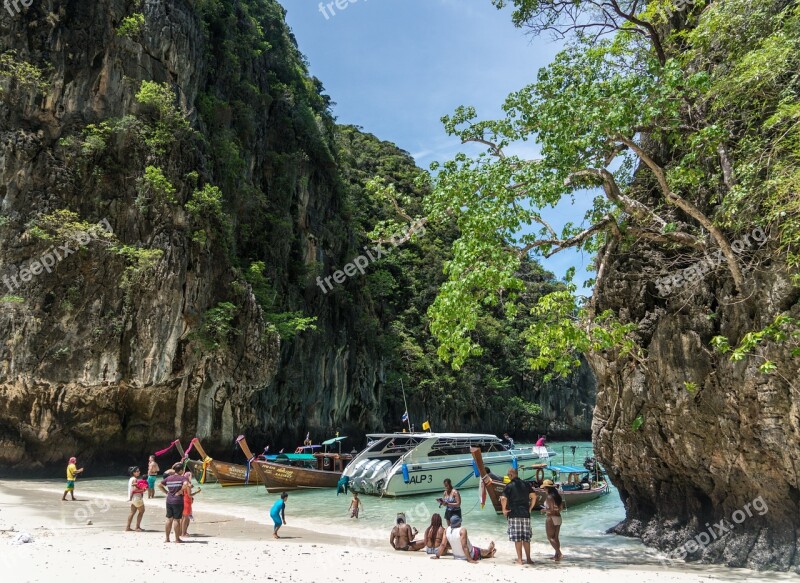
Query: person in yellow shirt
[[72, 473]]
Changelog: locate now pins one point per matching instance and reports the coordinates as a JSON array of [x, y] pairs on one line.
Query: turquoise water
[[582, 534]]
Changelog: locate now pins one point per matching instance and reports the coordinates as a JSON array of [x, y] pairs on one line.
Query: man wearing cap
[[175, 486], [72, 473], [518, 500], [456, 536]]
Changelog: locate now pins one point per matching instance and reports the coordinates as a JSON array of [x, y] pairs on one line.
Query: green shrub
[[131, 26]]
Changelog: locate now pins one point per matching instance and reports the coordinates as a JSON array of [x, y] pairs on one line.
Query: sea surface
[[583, 534]]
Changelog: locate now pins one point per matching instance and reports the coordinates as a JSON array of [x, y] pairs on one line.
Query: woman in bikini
[[552, 508], [452, 500], [434, 534]]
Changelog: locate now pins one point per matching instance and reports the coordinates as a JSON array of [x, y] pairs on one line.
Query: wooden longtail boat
[[228, 474], [573, 493], [296, 471], [200, 472]]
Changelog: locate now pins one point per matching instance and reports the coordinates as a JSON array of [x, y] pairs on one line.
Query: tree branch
[[691, 210]]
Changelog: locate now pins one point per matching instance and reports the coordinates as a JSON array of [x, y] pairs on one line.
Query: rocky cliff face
[[193, 132], [705, 448], [702, 456], [97, 358]]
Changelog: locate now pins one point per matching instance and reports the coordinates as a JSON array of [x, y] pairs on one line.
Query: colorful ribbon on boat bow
[[247, 470], [191, 445], [163, 451], [207, 460]]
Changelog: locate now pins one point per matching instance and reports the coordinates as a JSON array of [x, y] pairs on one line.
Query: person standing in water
[[72, 475], [552, 508], [152, 476], [355, 505], [278, 514], [451, 499]]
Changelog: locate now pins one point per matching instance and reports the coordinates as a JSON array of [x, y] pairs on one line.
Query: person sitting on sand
[[434, 535], [174, 486], [278, 514], [456, 536], [152, 476], [354, 506], [402, 536], [136, 498], [552, 524], [72, 475]]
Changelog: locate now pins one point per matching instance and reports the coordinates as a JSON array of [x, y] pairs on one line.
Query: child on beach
[[136, 490], [354, 505], [188, 498], [72, 475], [278, 514]]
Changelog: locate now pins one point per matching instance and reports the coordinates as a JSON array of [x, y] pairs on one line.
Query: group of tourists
[[176, 484], [518, 501]]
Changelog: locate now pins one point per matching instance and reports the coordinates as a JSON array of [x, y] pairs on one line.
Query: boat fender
[[540, 475], [406, 479], [475, 469], [514, 463]]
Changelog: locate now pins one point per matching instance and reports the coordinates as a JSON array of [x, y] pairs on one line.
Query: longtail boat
[[296, 470], [573, 491], [229, 474], [200, 469]]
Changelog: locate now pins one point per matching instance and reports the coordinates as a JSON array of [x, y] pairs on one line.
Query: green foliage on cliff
[[691, 139], [131, 26], [400, 287], [20, 74]]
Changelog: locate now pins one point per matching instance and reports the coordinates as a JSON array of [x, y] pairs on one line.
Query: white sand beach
[[66, 548]]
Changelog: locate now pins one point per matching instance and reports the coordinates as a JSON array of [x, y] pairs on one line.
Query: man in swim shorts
[[174, 486], [152, 476]]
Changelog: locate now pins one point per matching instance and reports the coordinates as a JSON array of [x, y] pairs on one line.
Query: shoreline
[[232, 548]]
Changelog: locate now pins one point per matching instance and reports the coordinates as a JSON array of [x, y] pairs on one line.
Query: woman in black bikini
[[452, 500]]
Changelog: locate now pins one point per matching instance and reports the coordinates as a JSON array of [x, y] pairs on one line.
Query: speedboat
[[403, 464]]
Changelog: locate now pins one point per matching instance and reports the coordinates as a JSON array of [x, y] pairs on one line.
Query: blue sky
[[394, 67]]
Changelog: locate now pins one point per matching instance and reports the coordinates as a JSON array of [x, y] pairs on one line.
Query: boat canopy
[[567, 469], [293, 457], [334, 440], [427, 435]]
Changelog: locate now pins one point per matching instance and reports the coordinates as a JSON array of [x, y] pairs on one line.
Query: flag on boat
[[405, 417], [426, 426]]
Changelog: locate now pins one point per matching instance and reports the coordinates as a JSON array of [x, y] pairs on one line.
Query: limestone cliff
[[192, 129]]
